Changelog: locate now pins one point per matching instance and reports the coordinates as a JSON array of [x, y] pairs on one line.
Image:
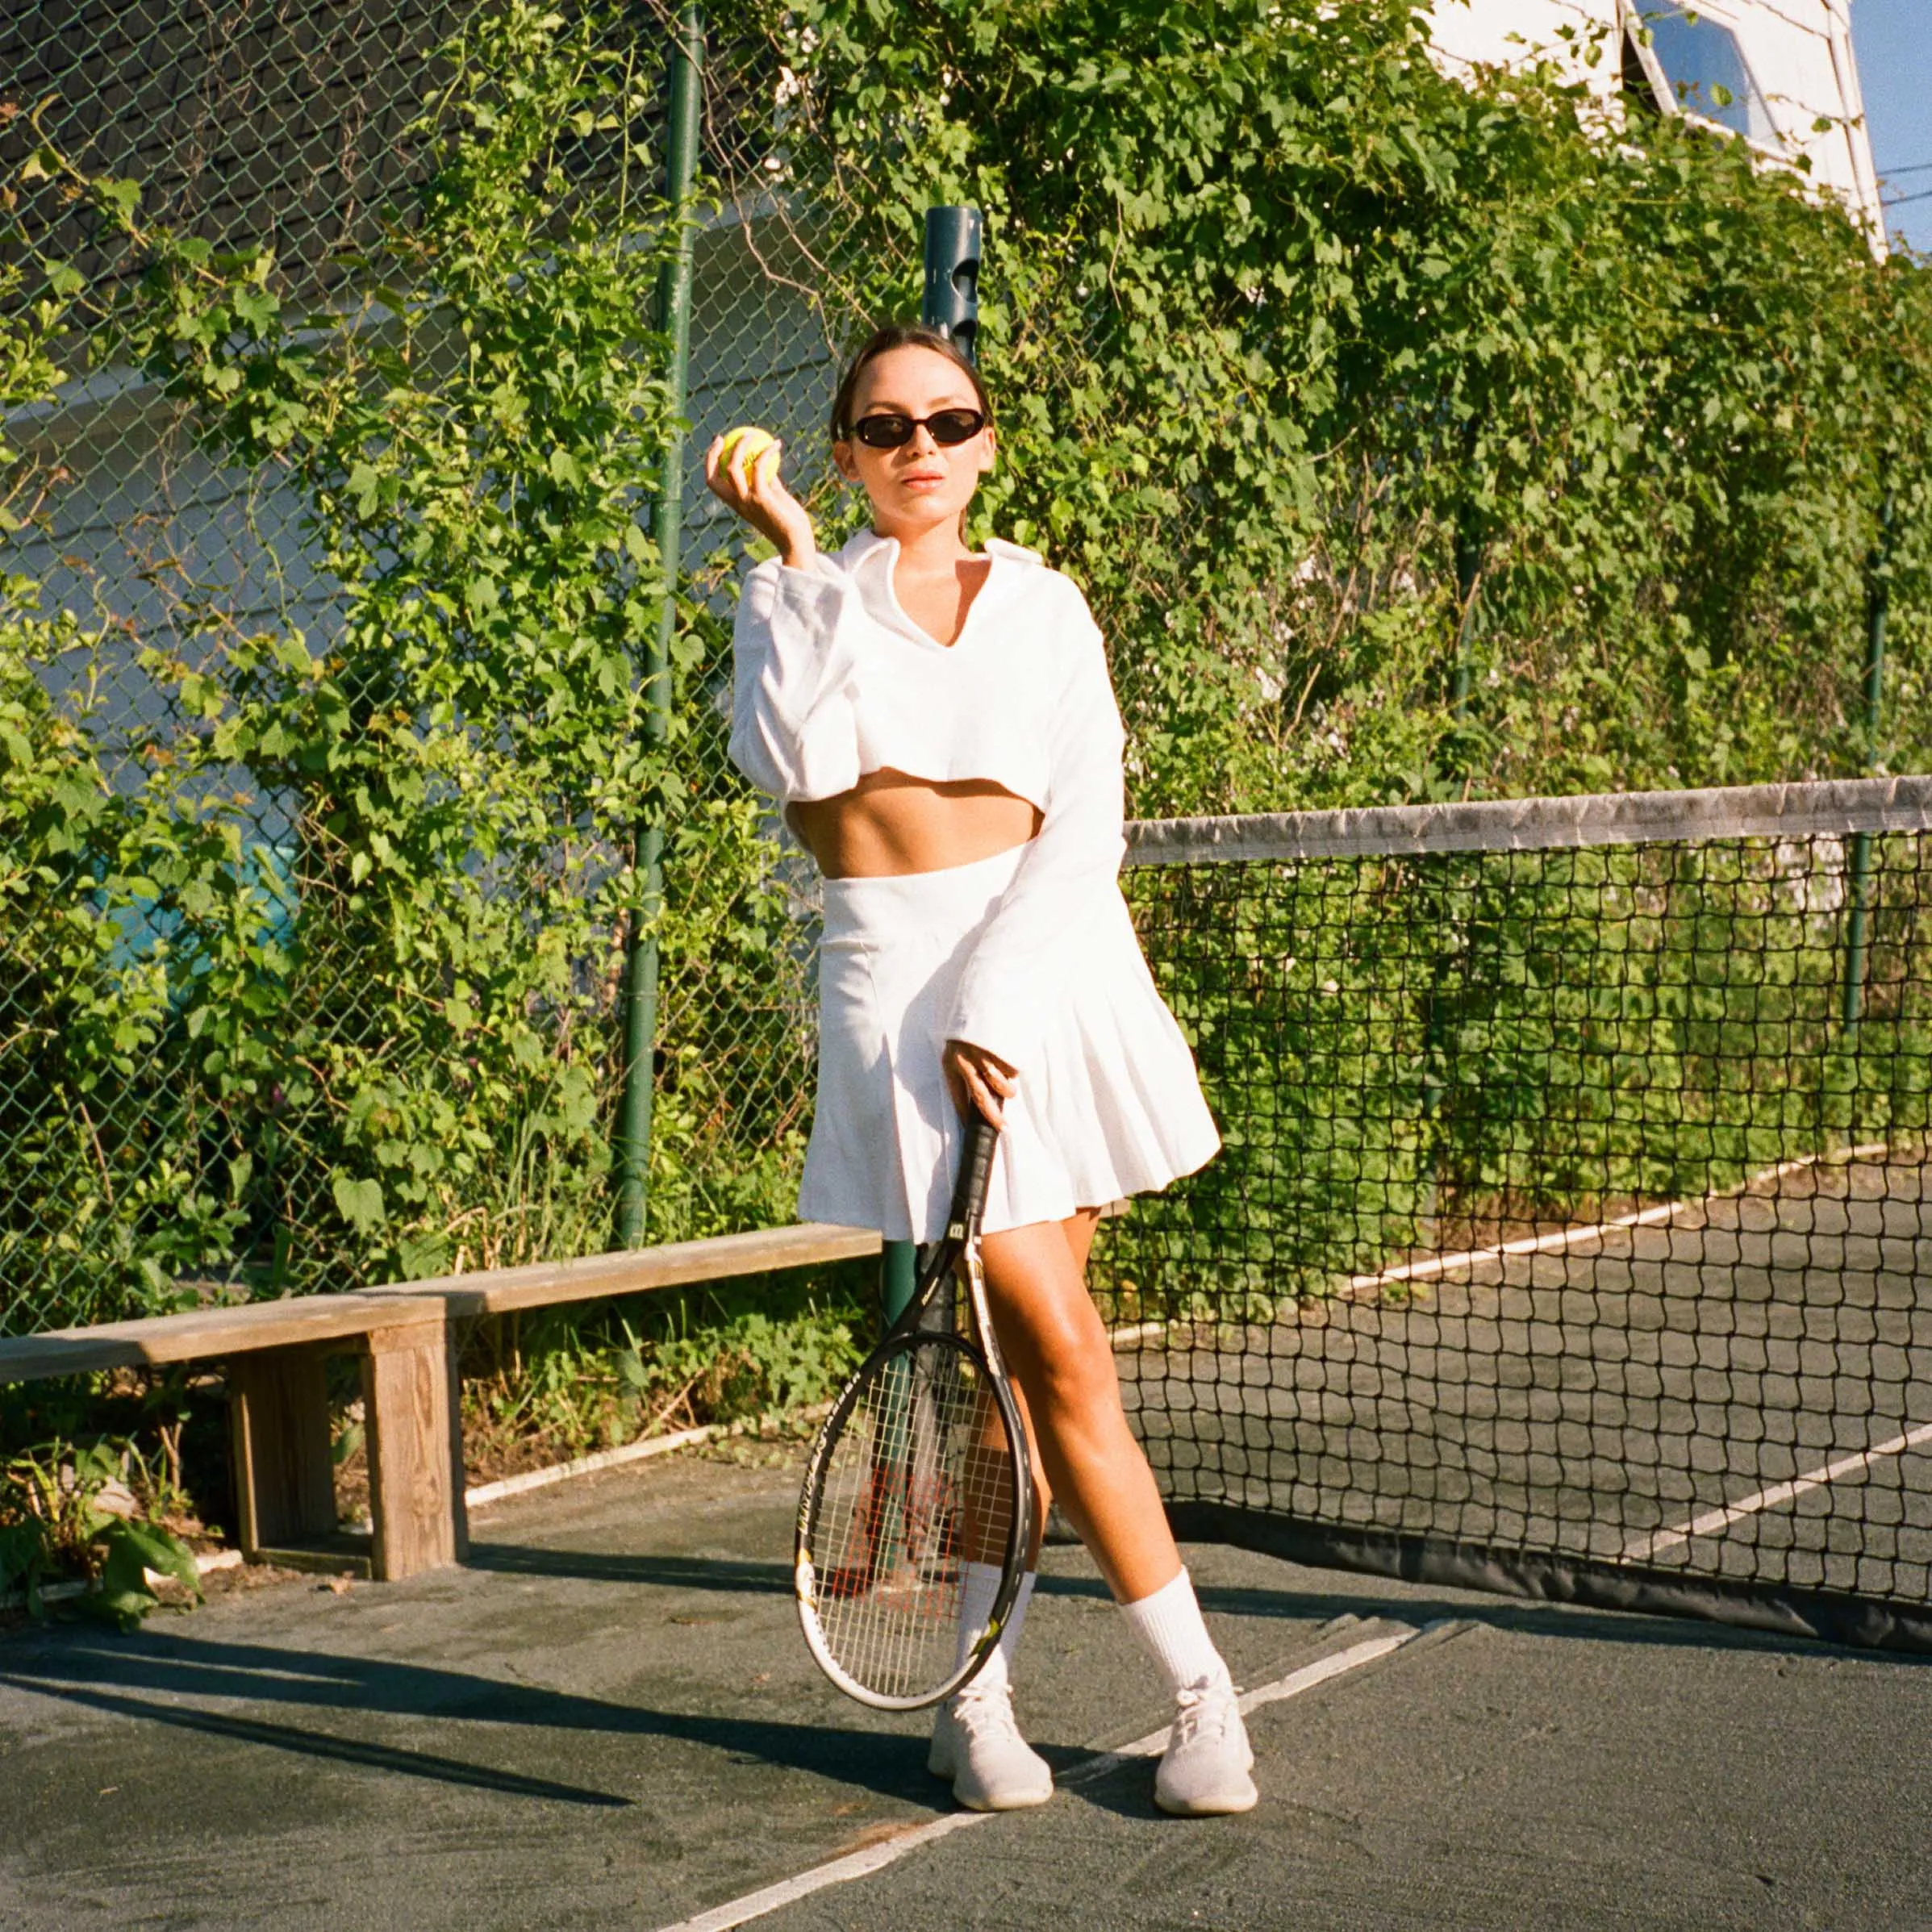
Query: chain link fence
[[142, 1167], [770, 317], [222, 1072]]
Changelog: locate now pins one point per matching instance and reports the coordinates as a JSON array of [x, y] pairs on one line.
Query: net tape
[[1825, 808]]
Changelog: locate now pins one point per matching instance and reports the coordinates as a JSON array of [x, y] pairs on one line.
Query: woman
[[940, 728]]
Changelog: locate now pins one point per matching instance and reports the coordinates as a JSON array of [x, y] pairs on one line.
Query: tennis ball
[[756, 441]]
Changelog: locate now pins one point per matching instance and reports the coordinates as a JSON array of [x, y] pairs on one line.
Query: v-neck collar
[[871, 560]]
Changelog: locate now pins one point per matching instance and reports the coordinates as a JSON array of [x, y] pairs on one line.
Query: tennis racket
[[921, 1466]]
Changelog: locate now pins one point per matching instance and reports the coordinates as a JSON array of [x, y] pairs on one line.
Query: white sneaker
[[1203, 1771], [977, 1744]]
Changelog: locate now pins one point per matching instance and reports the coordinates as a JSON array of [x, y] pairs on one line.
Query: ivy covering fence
[[1413, 440]]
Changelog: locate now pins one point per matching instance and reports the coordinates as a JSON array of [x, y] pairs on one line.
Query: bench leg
[[285, 1480], [416, 1495]]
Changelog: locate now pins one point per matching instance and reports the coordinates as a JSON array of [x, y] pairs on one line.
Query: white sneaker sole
[[1222, 1804], [1002, 1802], [939, 1765]]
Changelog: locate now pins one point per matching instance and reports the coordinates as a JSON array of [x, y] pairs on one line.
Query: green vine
[[1282, 317], [375, 1038]]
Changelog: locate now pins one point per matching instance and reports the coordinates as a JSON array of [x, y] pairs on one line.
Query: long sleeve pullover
[[833, 680]]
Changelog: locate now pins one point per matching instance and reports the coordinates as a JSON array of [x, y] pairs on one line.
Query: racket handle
[[975, 1171]]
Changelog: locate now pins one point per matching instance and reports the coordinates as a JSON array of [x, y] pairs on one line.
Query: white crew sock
[[1171, 1630], [979, 1590]]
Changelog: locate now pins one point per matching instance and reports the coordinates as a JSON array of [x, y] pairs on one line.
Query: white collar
[[870, 560]]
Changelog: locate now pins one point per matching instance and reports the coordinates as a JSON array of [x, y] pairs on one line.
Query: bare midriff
[[890, 825]]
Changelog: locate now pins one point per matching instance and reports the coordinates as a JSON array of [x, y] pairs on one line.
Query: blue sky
[[1894, 42]]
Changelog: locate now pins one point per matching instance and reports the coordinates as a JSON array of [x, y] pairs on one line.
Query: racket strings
[[919, 1482]]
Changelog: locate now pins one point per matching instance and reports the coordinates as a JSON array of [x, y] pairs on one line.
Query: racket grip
[[975, 1171]]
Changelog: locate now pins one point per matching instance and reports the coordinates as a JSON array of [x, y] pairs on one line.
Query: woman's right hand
[[753, 491], [979, 1081]]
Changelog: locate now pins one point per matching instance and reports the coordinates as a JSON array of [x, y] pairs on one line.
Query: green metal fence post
[[950, 303], [1877, 599], [1434, 1083], [1469, 564], [673, 318]]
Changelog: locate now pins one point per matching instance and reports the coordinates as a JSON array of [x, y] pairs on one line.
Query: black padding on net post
[[955, 241], [1564, 1241]]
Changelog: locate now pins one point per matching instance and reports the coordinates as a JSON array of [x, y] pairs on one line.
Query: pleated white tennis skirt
[[1111, 1107]]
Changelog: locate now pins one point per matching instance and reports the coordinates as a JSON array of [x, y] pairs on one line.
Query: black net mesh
[[1572, 1210]]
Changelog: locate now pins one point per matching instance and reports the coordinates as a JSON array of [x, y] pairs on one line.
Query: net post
[[898, 1276], [1469, 584], [950, 303], [953, 244], [1852, 1005], [673, 318]]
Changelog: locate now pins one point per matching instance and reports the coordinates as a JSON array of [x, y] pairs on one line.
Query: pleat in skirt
[[1111, 1106]]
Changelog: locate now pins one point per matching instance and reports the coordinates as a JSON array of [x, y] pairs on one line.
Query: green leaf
[[422, 1257], [154, 1548], [360, 1202]]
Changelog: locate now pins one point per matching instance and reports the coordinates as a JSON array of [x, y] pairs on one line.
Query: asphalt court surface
[[1598, 1398], [609, 1719]]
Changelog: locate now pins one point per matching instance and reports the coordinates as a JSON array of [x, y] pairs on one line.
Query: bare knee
[[1077, 1370], [1047, 1325]]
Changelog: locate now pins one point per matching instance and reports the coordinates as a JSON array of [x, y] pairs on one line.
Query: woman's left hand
[[979, 1080]]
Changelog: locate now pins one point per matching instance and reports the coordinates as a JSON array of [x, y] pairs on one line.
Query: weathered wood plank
[[459, 1474], [676, 1264], [285, 1483], [202, 1334], [414, 1499]]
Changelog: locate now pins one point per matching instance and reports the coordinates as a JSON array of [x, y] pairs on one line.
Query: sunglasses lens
[[952, 425], [949, 427], [883, 433]]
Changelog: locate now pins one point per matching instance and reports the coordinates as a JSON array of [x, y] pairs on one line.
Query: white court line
[[1435, 1265], [1654, 1543], [486, 1493], [1291, 1686], [875, 1858], [1432, 1266]]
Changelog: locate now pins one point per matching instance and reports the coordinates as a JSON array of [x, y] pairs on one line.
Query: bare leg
[[1079, 1232], [1063, 1362]]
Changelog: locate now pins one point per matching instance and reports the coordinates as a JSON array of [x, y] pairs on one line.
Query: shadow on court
[[1334, 1595], [608, 1717], [181, 1682]]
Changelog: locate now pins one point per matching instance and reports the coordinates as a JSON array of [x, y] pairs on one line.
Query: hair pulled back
[[898, 335]]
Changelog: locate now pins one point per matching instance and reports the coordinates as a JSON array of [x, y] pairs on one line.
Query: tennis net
[[1568, 1234]]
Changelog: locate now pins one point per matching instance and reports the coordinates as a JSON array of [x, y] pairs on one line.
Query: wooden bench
[[276, 1353]]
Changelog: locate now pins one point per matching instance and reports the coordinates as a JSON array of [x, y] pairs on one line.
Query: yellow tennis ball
[[756, 442]]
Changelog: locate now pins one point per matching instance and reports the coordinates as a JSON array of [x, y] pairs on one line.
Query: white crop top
[[833, 680]]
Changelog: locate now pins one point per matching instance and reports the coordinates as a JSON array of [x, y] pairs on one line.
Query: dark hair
[[900, 335]]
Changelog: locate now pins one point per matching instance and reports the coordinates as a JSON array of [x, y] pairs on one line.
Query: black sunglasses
[[948, 427]]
